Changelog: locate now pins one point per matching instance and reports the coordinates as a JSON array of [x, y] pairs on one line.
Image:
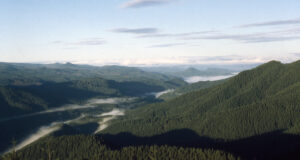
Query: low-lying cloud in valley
[[41, 132], [107, 118], [92, 103], [195, 79], [55, 126], [158, 94]]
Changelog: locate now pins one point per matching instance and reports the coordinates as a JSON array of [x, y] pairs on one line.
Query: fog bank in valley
[[158, 94], [195, 79], [92, 103], [41, 132], [54, 126], [108, 116]]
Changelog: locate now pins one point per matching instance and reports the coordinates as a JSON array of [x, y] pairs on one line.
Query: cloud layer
[[273, 23], [135, 30], [249, 38], [259, 37], [167, 45], [91, 42], [84, 42], [143, 3], [176, 35], [255, 37]]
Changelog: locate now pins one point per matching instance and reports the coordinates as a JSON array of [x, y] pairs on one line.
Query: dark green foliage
[[254, 102], [89, 147], [14, 101]]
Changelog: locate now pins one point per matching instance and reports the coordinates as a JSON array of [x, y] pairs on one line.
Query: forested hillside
[[90, 147], [255, 102], [261, 100]]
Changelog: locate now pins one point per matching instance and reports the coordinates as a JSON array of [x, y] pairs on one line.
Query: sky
[[149, 32]]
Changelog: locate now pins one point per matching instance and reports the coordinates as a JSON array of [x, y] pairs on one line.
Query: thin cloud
[[283, 35], [249, 38], [136, 30], [167, 45], [178, 35], [272, 23], [150, 32], [296, 54], [89, 42], [144, 3], [56, 42], [85, 42], [224, 58]]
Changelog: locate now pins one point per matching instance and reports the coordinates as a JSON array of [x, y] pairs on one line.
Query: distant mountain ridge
[[191, 71], [208, 72], [31, 74]]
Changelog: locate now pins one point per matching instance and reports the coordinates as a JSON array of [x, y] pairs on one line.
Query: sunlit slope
[[257, 101]]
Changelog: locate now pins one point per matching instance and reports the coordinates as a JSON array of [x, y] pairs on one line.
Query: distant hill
[[208, 72], [34, 74], [184, 72], [254, 102], [176, 68]]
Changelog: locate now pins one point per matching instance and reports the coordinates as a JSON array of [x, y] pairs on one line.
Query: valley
[[149, 80], [257, 107], [95, 111]]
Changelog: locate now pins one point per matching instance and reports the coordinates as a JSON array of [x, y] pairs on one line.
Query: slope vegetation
[[254, 102], [89, 147]]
